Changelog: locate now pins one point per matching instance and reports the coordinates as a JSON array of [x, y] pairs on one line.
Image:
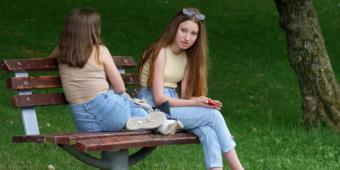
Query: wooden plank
[[71, 139], [46, 99], [124, 61], [28, 83], [130, 78], [28, 138], [30, 64], [43, 82], [36, 64], [123, 142], [38, 100]]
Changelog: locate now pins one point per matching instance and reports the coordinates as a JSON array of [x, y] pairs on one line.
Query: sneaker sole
[[151, 121], [172, 128]]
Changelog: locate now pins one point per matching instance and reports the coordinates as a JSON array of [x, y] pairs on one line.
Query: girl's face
[[186, 35]]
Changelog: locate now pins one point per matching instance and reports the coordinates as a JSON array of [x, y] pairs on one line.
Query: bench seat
[[102, 141], [112, 145]]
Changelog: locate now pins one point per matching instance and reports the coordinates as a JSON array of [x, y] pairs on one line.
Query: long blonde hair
[[197, 54], [80, 34]]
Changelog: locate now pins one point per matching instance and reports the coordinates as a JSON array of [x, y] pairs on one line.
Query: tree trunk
[[320, 92]]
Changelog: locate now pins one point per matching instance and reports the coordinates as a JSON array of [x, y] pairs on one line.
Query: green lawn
[[248, 71]]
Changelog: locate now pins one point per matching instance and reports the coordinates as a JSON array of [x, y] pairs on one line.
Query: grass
[[249, 72]]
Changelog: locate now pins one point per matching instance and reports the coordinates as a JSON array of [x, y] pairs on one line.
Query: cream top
[[83, 84], [175, 66]]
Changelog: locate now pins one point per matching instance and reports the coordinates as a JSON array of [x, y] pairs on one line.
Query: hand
[[204, 101], [214, 103]]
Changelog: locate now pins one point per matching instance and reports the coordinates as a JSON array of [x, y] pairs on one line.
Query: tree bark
[[308, 57]]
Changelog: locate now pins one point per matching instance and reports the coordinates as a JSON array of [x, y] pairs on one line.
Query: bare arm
[[112, 71]]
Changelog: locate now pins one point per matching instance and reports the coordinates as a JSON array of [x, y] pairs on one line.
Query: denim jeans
[[108, 111], [208, 124]]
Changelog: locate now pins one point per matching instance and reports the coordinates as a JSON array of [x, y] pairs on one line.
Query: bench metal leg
[[119, 160], [110, 160], [86, 158], [140, 155]]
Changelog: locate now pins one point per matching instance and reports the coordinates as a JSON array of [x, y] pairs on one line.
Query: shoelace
[[141, 102]]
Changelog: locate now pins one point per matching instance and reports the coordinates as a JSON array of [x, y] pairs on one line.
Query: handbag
[[164, 107]]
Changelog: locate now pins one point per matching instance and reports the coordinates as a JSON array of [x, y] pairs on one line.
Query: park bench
[[113, 146]]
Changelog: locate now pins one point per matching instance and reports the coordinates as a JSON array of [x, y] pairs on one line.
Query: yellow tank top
[[175, 66]]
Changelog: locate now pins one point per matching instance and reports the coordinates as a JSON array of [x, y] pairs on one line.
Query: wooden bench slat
[[124, 61], [28, 83], [29, 138], [73, 138], [32, 100], [38, 100], [30, 64], [42, 82], [36, 64], [130, 78], [123, 142]]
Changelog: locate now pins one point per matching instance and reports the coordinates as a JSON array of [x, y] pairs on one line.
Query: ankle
[[233, 161]]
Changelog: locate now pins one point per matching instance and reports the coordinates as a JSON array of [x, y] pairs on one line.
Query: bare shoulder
[[161, 53], [104, 51], [161, 57], [104, 54]]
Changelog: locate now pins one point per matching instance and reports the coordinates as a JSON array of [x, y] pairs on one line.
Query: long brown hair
[[197, 54], [80, 34]]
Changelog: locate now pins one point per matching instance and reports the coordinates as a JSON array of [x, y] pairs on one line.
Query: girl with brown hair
[[87, 71]]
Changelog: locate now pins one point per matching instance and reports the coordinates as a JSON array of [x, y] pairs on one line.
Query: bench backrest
[[24, 83]]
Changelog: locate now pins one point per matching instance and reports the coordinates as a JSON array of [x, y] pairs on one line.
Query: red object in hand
[[213, 103]]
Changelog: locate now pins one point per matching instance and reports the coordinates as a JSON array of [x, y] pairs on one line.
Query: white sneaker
[[151, 121], [169, 127]]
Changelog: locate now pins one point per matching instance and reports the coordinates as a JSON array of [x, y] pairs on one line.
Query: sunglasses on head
[[190, 13]]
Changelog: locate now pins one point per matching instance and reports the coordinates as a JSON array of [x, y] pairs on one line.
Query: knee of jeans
[[215, 114], [205, 133]]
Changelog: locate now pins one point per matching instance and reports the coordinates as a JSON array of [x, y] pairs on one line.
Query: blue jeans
[[108, 111], [208, 124]]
